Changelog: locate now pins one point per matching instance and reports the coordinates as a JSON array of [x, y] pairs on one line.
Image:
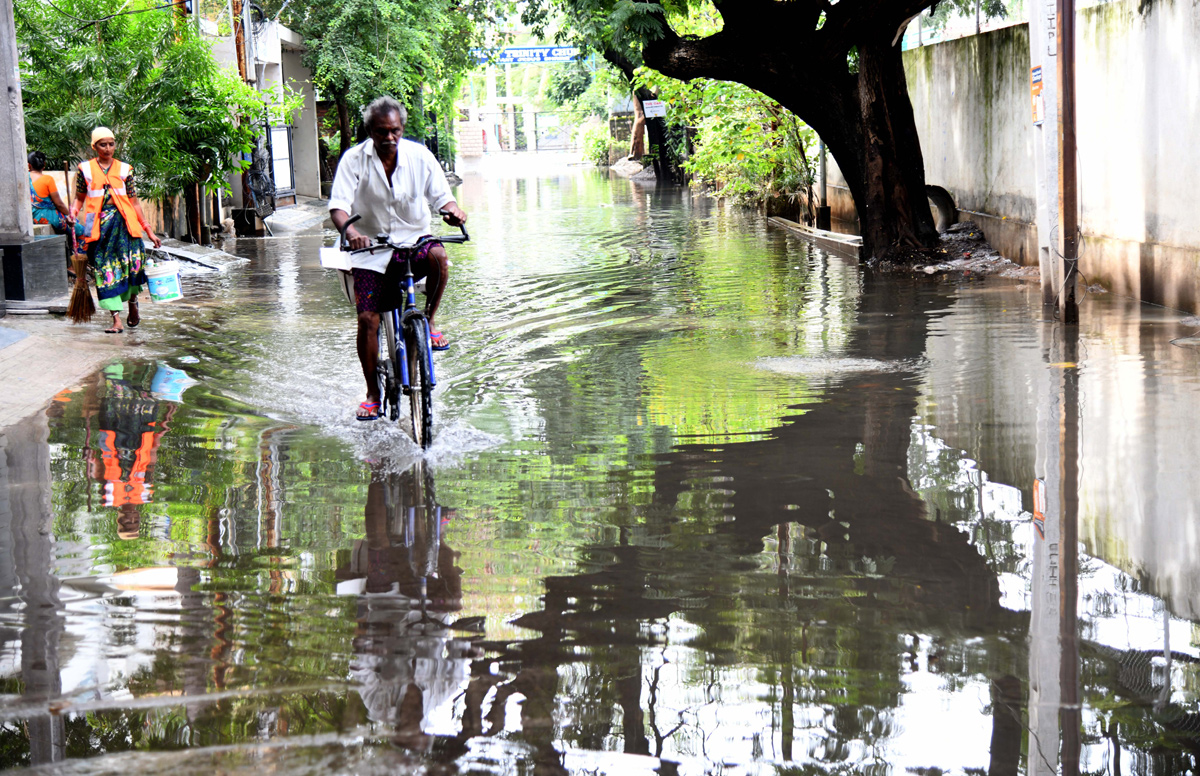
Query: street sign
[[654, 109], [530, 55]]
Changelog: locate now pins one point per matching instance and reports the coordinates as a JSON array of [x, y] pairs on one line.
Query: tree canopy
[[178, 117], [835, 65], [414, 50]]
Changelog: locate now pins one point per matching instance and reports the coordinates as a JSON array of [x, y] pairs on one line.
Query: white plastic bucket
[[163, 279]]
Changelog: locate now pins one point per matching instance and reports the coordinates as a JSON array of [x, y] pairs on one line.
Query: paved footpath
[[40, 357]]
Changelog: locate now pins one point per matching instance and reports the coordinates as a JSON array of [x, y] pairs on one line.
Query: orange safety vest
[[114, 179]]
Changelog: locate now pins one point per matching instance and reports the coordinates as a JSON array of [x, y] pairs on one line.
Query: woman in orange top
[[113, 225], [47, 205]]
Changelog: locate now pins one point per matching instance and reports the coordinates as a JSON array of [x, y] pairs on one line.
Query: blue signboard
[[530, 55]]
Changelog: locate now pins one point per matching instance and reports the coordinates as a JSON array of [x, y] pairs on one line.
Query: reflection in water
[[128, 434], [31, 598], [410, 656], [704, 519], [1054, 630]]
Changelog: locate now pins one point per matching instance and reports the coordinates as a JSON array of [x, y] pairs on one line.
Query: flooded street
[[702, 499]]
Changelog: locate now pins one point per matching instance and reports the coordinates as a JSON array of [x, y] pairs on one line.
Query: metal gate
[[520, 130]]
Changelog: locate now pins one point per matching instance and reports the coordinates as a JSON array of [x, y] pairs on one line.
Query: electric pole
[[824, 219], [1068, 186], [16, 220]]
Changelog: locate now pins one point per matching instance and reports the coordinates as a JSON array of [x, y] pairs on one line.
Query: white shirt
[[401, 209]]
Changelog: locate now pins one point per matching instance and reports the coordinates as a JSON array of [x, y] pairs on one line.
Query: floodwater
[[703, 499]]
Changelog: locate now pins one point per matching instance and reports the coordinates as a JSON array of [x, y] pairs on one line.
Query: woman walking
[[113, 225]]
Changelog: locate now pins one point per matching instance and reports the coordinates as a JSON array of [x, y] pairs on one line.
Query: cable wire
[[88, 23]]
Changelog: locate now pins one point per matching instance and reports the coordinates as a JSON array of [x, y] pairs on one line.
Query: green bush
[[595, 143], [747, 146]]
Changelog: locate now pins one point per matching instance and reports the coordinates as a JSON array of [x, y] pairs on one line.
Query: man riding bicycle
[[390, 182]]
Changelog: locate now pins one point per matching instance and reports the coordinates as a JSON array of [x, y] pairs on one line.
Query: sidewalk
[[306, 215], [39, 358]]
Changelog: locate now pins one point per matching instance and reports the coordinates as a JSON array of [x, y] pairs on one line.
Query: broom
[[81, 307]]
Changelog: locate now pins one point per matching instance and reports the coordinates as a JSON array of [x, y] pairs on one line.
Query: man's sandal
[[438, 341], [371, 407]]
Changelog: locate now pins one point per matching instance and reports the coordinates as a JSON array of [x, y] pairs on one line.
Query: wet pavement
[[702, 500]]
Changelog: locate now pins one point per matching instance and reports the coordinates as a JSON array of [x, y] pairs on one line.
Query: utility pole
[[824, 219], [1043, 87], [1068, 180], [16, 219], [16, 223]]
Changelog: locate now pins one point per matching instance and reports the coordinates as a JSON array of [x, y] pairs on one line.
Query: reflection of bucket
[[170, 383], [163, 278]]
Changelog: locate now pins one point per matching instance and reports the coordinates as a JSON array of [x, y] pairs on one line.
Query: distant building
[[290, 151]]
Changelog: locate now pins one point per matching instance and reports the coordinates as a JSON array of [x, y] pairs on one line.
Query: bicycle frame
[[399, 318]]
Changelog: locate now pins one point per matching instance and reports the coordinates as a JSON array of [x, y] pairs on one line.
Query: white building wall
[[1138, 100], [305, 152]]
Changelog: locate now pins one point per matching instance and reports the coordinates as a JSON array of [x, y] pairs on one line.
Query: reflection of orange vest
[[114, 179], [136, 491]]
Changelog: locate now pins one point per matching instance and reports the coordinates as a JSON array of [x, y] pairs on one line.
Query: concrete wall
[[305, 154], [971, 101], [1138, 101], [1139, 97], [470, 139]]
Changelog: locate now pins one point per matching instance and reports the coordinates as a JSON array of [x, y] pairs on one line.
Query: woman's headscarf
[[100, 133]]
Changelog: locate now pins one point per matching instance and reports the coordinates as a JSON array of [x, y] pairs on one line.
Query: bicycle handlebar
[[381, 241]]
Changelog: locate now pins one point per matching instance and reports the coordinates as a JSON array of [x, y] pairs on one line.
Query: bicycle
[[413, 351]]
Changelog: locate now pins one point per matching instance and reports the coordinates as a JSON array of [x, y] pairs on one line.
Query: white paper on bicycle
[[333, 258]]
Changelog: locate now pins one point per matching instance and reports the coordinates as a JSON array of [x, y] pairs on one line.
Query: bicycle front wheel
[[420, 397], [389, 386]]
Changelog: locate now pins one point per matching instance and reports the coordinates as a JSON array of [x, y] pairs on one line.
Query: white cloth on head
[[401, 209], [102, 133]]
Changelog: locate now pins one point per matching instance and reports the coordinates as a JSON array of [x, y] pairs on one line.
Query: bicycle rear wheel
[[420, 396]]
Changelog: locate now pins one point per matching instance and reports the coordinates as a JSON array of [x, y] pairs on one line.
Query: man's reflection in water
[[123, 450], [411, 656]]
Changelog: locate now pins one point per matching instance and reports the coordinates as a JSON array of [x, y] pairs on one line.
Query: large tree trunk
[[656, 128], [637, 135], [867, 122], [343, 111], [888, 167]]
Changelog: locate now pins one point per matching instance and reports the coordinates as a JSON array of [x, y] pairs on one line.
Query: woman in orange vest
[[113, 226]]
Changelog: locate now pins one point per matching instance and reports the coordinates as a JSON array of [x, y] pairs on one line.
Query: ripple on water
[[820, 366]]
